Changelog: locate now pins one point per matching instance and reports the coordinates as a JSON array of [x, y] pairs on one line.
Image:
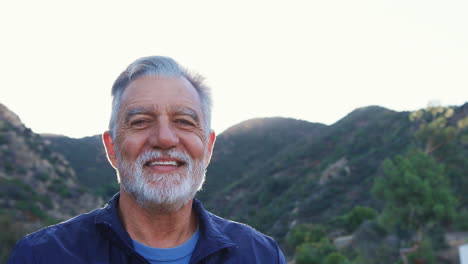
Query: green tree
[[313, 252], [416, 193], [305, 233], [336, 258], [425, 253], [352, 220], [461, 220], [374, 244], [434, 131], [436, 134]]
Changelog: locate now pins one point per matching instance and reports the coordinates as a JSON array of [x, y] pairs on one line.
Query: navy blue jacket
[[99, 237]]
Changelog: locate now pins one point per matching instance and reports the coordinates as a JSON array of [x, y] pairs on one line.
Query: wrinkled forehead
[[161, 92]]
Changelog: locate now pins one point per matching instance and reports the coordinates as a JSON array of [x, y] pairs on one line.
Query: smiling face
[[161, 148]]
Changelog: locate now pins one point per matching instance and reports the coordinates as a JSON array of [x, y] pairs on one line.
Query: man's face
[[161, 149]]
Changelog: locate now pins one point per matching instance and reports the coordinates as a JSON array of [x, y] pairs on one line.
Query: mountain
[[276, 174], [88, 158], [37, 185], [271, 173], [313, 173], [245, 147]]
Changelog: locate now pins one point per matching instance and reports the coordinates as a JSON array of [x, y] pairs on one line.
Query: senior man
[[160, 143]]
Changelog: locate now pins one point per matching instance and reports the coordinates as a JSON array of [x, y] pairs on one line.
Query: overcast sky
[[311, 60]]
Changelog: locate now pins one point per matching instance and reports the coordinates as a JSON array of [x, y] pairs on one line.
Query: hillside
[[88, 158], [246, 145], [37, 185], [271, 173], [312, 176]]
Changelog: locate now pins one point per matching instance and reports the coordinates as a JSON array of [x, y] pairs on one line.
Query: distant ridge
[[267, 122], [271, 173]]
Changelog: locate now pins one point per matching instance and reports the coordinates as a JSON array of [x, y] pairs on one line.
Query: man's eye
[[184, 122], [139, 122]]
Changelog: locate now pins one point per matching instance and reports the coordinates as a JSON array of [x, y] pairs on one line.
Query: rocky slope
[[37, 185]]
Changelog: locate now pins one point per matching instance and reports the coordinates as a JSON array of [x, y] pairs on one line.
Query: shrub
[[305, 233], [336, 258], [358, 215], [313, 253], [461, 220]]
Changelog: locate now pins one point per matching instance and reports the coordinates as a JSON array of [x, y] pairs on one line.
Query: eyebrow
[[178, 110], [136, 111], [182, 110]]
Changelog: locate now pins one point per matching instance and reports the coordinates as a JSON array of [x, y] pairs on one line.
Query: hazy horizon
[[309, 60], [260, 117]]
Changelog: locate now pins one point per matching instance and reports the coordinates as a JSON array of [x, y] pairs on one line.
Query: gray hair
[[159, 66]]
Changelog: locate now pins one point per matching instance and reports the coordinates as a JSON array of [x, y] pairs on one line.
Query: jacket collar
[[212, 238], [108, 222]]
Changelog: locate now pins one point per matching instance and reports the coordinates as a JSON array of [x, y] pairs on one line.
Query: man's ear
[[110, 148], [210, 145]]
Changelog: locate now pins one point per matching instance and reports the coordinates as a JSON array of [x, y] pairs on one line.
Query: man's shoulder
[[239, 232], [67, 234], [80, 224], [251, 245]]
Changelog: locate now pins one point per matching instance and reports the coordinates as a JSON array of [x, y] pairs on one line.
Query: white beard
[[161, 192]]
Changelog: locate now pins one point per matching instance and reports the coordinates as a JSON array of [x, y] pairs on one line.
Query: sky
[[309, 60]]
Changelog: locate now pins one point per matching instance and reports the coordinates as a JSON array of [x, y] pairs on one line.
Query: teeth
[[163, 163]]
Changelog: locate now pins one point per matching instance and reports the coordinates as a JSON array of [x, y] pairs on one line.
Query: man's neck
[[156, 229]]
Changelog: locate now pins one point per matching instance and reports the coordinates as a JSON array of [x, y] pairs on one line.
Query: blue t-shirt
[[176, 255]]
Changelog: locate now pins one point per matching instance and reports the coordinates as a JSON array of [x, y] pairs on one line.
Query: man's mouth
[[174, 163]]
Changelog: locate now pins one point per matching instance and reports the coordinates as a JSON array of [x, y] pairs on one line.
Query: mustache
[[155, 154]]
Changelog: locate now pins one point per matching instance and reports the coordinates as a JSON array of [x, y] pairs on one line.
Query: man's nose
[[163, 136]]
